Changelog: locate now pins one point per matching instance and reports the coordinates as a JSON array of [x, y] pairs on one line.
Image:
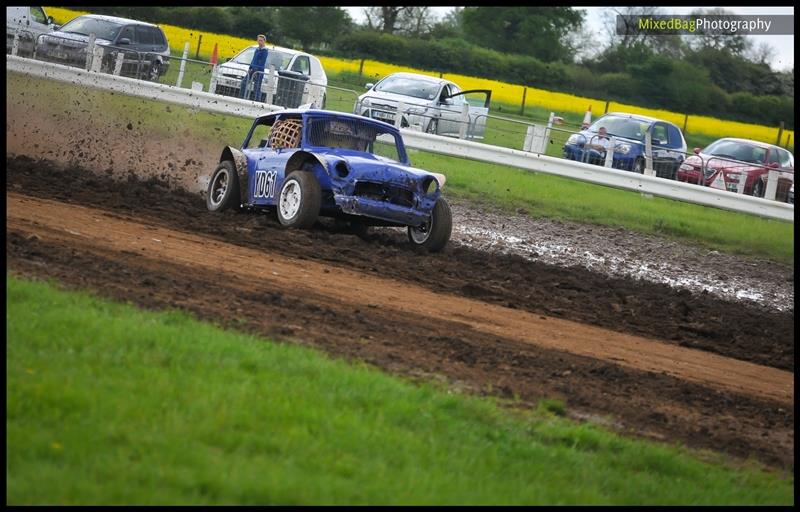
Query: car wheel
[[223, 188], [638, 165], [433, 126], [155, 71], [758, 188], [299, 200], [434, 234]]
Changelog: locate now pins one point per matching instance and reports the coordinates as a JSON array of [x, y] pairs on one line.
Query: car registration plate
[[382, 115]]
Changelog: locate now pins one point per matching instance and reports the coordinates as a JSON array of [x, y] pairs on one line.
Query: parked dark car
[[144, 45], [629, 130], [724, 162]]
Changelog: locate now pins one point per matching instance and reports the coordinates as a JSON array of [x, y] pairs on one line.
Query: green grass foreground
[[541, 194], [108, 404]]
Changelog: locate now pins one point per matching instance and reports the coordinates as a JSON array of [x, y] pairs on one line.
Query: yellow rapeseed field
[[502, 92]]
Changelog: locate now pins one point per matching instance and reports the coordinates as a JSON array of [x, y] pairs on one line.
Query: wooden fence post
[[361, 68], [685, 122], [606, 110], [199, 40], [780, 134], [524, 94]]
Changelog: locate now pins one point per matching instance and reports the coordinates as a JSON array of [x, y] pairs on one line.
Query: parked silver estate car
[[303, 72], [433, 105]]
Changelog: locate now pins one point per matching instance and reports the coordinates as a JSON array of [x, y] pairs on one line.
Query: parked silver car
[[144, 45], [433, 105], [305, 78]]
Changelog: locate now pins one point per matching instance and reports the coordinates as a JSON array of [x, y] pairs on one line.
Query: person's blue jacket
[[259, 61]]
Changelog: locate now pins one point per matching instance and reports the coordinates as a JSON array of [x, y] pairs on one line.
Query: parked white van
[[29, 23]]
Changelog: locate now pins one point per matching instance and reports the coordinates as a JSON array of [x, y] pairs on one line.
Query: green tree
[[541, 32], [313, 25]]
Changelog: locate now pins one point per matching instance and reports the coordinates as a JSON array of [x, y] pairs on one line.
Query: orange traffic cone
[[214, 56], [587, 119]]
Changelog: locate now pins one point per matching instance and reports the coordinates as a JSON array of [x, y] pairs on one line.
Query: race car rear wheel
[[223, 188], [434, 234], [299, 200]]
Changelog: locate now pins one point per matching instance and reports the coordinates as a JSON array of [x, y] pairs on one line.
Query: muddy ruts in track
[[700, 321]]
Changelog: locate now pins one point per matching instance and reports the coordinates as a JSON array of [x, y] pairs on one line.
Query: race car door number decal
[[265, 184]]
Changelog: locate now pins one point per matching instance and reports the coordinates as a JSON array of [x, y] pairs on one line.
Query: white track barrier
[[423, 141]]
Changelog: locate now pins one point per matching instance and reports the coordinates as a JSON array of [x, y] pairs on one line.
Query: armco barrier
[[414, 139]]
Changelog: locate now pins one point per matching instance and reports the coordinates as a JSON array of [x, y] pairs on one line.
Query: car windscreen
[[409, 86], [280, 60], [355, 135], [734, 150], [621, 127], [102, 29]]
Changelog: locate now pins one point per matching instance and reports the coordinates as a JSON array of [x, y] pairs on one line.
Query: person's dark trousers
[[256, 85]]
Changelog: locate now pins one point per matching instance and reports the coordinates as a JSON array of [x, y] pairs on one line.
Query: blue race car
[[307, 163], [628, 130]]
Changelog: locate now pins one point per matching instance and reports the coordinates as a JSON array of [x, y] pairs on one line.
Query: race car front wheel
[[223, 188], [434, 234], [299, 200]]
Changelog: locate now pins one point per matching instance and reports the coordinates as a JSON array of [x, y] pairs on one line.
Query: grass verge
[[108, 404], [541, 194]]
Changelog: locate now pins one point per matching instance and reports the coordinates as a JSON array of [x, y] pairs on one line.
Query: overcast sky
[[782, 45]]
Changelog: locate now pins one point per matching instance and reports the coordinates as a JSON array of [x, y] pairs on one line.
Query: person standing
[[257, 65]]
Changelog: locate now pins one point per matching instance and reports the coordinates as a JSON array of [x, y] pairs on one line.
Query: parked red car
[[723, 163]]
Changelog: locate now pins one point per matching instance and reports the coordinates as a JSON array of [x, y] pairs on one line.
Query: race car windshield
[[102, 29], [408, 86], [621, 127], [280, 60], [354, 135]]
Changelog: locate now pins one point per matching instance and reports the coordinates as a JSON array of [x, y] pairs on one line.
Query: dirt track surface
[[640, 357]]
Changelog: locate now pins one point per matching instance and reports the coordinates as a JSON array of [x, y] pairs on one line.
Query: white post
[[212, 85], [89, 52], [526, 146], [464, 124], [118, 64], [97, 58], [772, 185], [648, 154], [271, 85], [742, 180], [401, 107], [547, 131], [15, 44], [610, 152], [183, 64]]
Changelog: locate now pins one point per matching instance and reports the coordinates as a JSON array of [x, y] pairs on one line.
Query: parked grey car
[[433, 105], [144, 45]]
